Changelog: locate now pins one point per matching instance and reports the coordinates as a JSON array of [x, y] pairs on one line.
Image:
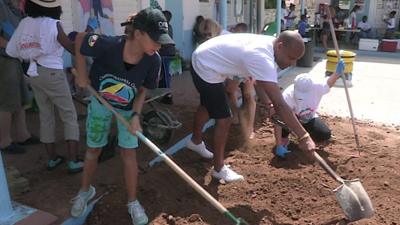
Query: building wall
[[379, 9], [122, 8], [203, 8], [193, 8], [207, 9], [67, 16]]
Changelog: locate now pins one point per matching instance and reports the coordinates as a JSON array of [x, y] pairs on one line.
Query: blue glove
[[7, 27], [340, 67], [281, 151], [93, 23]]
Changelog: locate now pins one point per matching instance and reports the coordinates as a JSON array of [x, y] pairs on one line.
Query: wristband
[[269, 106], [134, 113], [305, 136]]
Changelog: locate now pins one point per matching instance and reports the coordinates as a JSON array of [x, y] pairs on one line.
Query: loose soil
[[275, 191]]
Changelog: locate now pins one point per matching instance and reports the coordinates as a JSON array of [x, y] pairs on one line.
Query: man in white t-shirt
[[290, 16], [365, 28], [283, 15], [391, 25], [303, 97], [241, 55]]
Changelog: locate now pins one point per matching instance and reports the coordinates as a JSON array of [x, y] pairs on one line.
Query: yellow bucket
[[331, 67], [347, 56]]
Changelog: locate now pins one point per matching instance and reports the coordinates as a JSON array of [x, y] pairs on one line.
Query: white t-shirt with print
[[35, 39], [364, 26], [284, 13], [289, 22], [392, 23], [306, 109], [236, 55]]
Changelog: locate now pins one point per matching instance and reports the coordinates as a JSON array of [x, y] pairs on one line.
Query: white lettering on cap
[[162, 25]]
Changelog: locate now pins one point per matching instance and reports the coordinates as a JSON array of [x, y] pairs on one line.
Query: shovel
[[351, 195], [335, 43], [171, 164]]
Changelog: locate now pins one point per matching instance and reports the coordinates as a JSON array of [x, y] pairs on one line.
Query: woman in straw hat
[[40, 39]]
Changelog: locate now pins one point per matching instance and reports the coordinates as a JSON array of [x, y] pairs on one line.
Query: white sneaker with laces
[[137, 213], [79, 203], [227, 174], [200, 149]]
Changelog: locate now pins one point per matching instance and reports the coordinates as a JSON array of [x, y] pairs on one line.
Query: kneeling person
[[303, 97]]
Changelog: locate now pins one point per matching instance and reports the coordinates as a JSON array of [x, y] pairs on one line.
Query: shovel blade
[[354, 200]]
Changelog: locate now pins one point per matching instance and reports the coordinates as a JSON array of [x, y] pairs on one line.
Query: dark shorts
[[326, 28], [326, 31], [317, 128], [213, 97]]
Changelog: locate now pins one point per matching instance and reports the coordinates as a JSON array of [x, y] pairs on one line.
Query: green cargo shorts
[[98, 124]]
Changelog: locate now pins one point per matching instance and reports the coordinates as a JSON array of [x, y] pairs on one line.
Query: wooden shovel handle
[[156, 150], [335, 43], [328, 169]]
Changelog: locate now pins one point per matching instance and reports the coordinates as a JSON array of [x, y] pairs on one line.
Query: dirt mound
[[275, 191]]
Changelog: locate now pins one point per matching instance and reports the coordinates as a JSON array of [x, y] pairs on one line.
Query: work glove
[[93, 23], [7, 27], [281, 151], [340, 67]]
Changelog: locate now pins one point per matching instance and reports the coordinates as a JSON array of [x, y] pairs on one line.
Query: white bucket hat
[[303, 86], [47, 3]]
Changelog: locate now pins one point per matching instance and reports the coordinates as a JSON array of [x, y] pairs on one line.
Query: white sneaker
[[200, 149], [227, 174], [138, 215], [79, 203]]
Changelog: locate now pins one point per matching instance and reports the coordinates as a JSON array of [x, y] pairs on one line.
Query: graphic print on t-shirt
[[306, 114], [116, 91]]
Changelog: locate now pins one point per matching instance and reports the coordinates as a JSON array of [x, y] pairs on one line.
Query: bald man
[[236, 56]]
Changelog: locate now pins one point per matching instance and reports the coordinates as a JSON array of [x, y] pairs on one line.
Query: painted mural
[[100, 11]]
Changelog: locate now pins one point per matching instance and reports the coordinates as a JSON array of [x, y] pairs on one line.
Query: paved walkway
[[375, 94]]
